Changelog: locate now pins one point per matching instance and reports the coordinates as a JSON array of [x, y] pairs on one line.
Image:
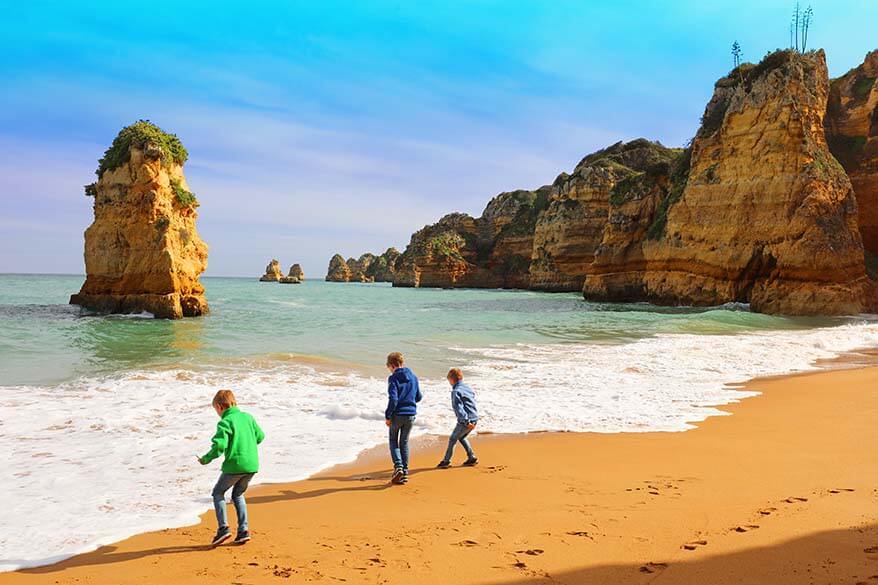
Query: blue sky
[[323, 127]]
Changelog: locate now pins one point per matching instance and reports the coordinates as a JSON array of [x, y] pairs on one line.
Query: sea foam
[[97, 459]]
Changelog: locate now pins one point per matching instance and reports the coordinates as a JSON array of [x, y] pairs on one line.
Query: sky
[[323, 127]]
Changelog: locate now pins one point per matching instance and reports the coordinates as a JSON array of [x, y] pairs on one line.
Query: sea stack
[[338, 270], [143, 252], [295, 276], [273, 272]]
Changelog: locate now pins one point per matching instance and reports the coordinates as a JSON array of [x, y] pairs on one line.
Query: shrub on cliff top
[[184, 198], [139, 134]]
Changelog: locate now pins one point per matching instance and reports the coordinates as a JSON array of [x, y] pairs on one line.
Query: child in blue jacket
[[403, 395], [463, 402]]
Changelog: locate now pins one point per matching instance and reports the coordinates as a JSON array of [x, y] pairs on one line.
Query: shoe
[[405, 476], [471, 461], [222, 535], [443, 464], [242, 537], [397, 475]]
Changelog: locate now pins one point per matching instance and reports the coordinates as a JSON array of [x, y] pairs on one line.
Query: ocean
[[102, 416]]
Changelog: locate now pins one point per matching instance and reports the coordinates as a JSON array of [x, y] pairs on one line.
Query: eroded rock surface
[[143, 251]]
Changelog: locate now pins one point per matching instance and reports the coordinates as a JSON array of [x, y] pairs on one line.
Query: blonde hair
[[224, 399], [395, 360], [455, 375]]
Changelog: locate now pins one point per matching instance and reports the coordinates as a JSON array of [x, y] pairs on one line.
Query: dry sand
[[783, 491]]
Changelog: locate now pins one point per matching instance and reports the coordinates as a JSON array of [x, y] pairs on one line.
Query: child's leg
[[395, 454], [405, 430], [219, 498], [240, 504], [452, 440], [467, 447]]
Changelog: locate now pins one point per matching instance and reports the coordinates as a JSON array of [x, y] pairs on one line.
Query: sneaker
[[405, 476], [222, 535], [471, 461], [397, 475], [242, 537], [443, 464]]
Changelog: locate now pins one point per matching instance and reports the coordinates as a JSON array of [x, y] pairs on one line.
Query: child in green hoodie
[[237, 436]]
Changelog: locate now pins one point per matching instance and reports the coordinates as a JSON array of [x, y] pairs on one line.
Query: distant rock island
[[142, 252], [774, 203], [366, 268], [273, 273]]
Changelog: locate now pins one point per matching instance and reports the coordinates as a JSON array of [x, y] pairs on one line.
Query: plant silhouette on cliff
[[140, 134]]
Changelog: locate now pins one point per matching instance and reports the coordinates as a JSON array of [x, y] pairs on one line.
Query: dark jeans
[[239, 483], [460, 433], [400, 429]]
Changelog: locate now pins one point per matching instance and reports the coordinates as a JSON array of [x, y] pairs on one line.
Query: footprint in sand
[[653, 567], [467, 543], [794, 499], [839, 490], [871, 550], [692, 545], [494, 468], [745, 528], [531, 551], [767, 511], [581, 533]]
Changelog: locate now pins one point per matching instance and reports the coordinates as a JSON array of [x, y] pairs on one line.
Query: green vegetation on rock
[[447, 244], [679, 176], [184, 198], [140, 134]]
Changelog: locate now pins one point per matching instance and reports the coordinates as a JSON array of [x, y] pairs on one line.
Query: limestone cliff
[[852, 133], [571, 228], [359, 268], [383, 267], [338, 270], [764, 214], [143, 252], [273, 272], [490, 251]]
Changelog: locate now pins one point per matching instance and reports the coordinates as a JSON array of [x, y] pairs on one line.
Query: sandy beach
[[783, 491]]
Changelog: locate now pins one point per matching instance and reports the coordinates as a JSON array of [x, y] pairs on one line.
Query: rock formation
[[491, 251], [143, 252], [273, 272], [338, 270], [296, 273], [852, 133], [383, 267], [570, 230], [366, 268], [767, 216], [757, 210]]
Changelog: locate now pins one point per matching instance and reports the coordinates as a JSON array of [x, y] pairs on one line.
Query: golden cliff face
[[338, 270], [568, 233], [767, 215], [852, 133], [491, 251], [143, 252]]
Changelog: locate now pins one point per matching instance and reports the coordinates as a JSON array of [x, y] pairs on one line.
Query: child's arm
[[392, 398], [418, 394], [457, 406], [219, 442], [260, 435]]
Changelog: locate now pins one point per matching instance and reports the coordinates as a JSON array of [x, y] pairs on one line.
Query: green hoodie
[[237, 435]]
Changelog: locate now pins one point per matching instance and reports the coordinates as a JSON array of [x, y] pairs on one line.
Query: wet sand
[[783, 491]]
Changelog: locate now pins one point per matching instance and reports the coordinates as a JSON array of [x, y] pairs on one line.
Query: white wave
[[95, 460]]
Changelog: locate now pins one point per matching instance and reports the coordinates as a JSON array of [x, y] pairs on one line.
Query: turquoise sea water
[[121, 403], [45, 340]]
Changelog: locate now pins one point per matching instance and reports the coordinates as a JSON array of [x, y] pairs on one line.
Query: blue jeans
[[239, 483], [460, 433], [400, 429]]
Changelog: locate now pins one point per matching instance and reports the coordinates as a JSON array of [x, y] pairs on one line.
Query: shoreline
[[368, 464]]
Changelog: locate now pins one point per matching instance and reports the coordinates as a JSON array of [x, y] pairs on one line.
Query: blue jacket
[[403, 394], [463, 402]]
